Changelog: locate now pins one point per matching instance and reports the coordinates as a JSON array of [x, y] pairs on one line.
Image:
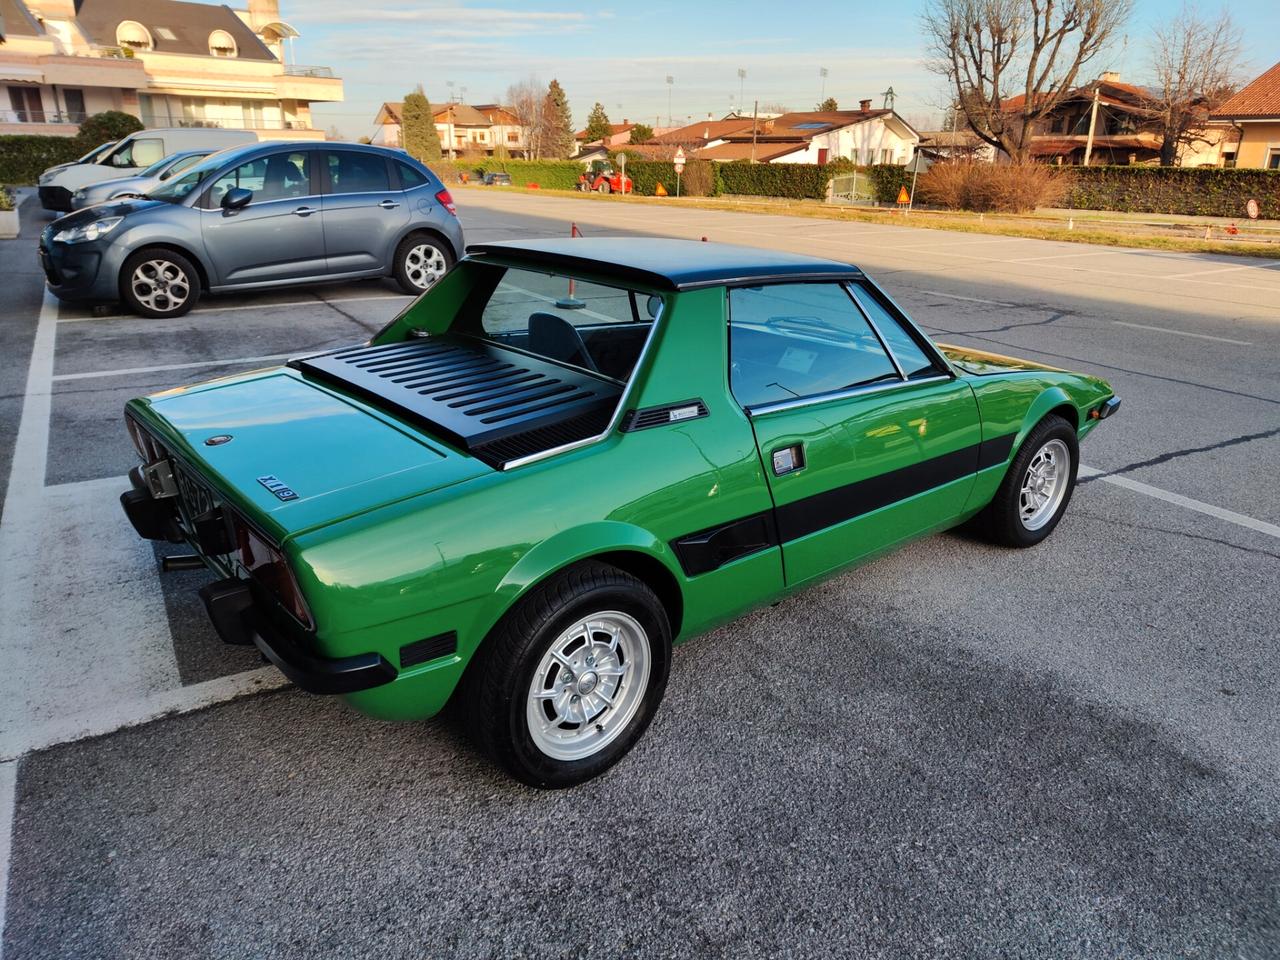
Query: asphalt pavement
[[956, 751]]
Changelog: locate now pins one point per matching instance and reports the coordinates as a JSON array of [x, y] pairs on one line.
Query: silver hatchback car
[[259, 216], [140, 184]]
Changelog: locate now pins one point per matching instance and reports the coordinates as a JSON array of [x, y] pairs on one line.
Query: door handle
[[304, 211], [389, 204], [788, 459]]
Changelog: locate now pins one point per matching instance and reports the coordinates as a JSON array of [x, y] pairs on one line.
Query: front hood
[[980, 363], [106, 187], [325, 456], [100, 211]]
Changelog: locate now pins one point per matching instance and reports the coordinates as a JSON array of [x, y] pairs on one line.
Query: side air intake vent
[[473, 393], [661, 416], [432, 648]]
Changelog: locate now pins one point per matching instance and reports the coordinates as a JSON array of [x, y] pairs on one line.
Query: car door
[[364, 211], [866, 437], [278, 234]]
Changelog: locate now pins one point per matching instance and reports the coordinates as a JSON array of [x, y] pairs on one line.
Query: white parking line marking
[[119, 715], [1205, 273], [1181, 333], [952, 296], [1261, 526], [8, 805], [126, 371], [213, 308]]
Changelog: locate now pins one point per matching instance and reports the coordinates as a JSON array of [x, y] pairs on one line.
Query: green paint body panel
[[397, 536]]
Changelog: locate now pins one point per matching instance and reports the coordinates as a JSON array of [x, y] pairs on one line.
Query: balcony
[[247, 123], [301, 70]]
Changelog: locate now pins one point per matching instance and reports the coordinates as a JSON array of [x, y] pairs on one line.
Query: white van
[[93, 156], [131, 155]]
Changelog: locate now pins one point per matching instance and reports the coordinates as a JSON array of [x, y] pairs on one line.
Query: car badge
[[278, 487], [219, 440]]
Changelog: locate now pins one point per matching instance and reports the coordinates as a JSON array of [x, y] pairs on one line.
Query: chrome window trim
[[910, 325], [884, 344], [761, 409], [617, 412]]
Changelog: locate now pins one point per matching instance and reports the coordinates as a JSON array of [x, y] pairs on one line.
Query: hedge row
[[548, 174], [23, 157], [1187, 191], [795, 181]]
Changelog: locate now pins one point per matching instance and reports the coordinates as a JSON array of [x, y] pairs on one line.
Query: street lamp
[[822, 72], [670, 82], [742, 78]]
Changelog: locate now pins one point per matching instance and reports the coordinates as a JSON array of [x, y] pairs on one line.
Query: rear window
[[411, 177], [591, 326]]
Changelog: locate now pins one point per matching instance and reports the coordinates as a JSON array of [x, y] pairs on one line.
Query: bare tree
[[1011, 62], [525, 101], [1195, 64]]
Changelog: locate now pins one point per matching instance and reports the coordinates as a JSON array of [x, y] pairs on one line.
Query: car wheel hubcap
[[1044, 484], [160, 285], [588, 686], [424, 265]]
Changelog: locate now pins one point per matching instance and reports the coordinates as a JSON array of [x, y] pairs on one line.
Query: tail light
[[446, 201], [267, 564], [147, 448]]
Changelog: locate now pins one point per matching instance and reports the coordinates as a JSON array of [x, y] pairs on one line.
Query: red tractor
[[602, 178]]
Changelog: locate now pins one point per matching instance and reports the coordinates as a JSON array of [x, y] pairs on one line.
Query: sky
[[621, 54]]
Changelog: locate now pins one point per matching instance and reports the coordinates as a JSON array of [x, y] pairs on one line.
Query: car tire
[[159, 283], [421, 260], [590, 629], [604, 187], [1036, 489]]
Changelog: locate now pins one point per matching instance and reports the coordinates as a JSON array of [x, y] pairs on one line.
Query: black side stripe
[[709, 549]]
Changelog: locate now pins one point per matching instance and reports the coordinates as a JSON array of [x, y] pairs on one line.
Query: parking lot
[[958, 750]]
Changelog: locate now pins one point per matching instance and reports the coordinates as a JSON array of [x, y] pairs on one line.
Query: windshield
[[178, 189], [97, 152], [156, 167]]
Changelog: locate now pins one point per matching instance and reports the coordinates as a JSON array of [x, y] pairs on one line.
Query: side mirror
[[236, 198], [652, 306]]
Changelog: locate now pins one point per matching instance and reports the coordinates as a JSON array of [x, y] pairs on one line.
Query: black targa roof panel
[[665, 264]]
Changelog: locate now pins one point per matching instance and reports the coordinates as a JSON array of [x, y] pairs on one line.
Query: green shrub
[[796, 181], [6, 199], [102, 127], [24, 157], [887, 179], [547, 174], [1187, 191]]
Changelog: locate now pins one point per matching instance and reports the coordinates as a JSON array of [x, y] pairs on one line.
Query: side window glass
[[788, 341], [912, 358], [411, 177], [275, 177], [352, 172], [183, 164], [147, 152]]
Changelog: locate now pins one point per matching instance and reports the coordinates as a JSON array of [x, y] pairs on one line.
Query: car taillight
[[147, 448], [266, 563], [446, 201]]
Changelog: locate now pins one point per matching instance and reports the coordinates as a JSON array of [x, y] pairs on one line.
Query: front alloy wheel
[[159, 283], [1036, 488]]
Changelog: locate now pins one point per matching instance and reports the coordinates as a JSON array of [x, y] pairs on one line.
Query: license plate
[[195, 497]]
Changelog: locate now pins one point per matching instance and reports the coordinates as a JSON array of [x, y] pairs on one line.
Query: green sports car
[[569, 455]]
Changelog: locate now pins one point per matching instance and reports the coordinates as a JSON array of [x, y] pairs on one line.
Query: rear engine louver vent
[[478, 395]]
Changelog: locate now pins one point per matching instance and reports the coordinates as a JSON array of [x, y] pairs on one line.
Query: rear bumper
[[55, 198], [1106, 409], [243, 613], [239, 618]]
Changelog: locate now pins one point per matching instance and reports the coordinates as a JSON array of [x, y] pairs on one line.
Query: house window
[[74, 99], [222, 44], [192, 112], [513, 137], [886, 156], [132, 34], [26, 103], [1229, 158], [1273, 159]]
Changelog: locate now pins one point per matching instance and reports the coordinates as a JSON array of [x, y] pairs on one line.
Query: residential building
[[1124, 131], [463, 129], [1254, 113], [705, 133], [619, 133], [955, 145], [168, 62], [864, 136]]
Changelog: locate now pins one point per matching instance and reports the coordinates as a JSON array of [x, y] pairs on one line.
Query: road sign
[[622, 177], [678, 160], [1251, 208], [903, 196]]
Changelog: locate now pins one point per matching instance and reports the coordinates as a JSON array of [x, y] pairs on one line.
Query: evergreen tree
[[828, 105], [557, 143], [418, 133], [641, 132], [598, 126]]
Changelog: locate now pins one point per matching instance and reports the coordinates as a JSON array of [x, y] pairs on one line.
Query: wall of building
[[1256, 143]]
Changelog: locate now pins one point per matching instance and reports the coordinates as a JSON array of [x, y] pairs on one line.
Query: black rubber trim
[[661, 416], [712, 548], [995, 451]]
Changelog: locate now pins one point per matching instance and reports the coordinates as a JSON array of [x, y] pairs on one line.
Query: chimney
[[864, 105], [262, 12], [1110, 76], [625, 121], [54, 9]]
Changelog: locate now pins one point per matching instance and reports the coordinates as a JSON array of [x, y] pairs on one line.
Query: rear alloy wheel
[[1035, 492], [420, 263], [159, 283], [568, 681]]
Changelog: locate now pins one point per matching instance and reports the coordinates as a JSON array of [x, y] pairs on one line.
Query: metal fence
[[852, 188]]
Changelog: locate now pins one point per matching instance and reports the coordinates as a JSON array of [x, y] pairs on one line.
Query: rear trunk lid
[[295, 455]]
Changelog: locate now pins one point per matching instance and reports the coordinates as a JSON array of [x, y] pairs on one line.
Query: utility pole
[[742, 79], [670, 81], [755, 126], [822, 72], [1093, 120]]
